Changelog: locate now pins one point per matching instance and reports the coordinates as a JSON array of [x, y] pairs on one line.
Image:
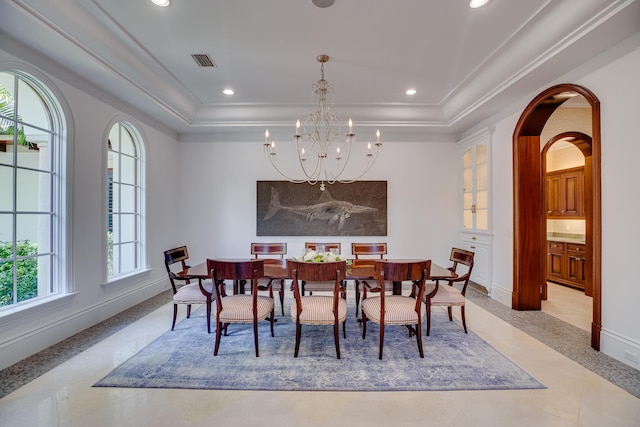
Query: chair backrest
[[301, 271], [463, 257], [322, 247], [400, 271], [369, 249], [172, 256], [268, 249], [234, 270]]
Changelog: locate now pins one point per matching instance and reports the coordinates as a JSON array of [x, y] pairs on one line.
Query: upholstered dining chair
[[239, 308], [318, 286], [396, 309], [185, 292], [449, 296], [267, 251], [318, 309], [366, 254]]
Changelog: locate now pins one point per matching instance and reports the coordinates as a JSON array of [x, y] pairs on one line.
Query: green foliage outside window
[[27, 272]]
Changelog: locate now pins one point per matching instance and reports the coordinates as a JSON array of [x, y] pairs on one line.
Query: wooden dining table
[[277, 269]]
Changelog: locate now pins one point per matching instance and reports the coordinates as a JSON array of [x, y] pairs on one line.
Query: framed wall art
[[356, 209]]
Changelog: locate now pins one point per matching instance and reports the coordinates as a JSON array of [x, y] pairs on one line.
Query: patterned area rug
[[453, 360]]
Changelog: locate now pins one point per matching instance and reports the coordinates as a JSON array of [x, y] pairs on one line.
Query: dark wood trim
[[529, 244]]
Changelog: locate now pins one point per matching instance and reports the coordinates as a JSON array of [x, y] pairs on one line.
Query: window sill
[[26, 309], [125, 277]]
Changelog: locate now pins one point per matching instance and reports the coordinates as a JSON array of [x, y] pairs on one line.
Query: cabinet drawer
[[575, 247], [557, 246]]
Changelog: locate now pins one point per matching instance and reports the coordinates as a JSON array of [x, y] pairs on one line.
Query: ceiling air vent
[[203, 60]]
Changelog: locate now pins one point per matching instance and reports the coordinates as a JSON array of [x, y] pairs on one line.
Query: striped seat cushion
[[318, 310], [447, 295], [239, 308], [191, 293], [399, 310]]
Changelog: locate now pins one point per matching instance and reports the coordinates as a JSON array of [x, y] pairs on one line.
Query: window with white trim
[[124, 201], [32, 192]]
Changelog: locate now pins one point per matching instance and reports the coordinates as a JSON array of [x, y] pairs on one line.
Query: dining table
[[277, 269]]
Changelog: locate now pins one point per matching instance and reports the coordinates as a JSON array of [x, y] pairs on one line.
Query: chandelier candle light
[[323, 153]]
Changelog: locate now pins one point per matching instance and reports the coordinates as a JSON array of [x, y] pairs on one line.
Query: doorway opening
[[530, 228]]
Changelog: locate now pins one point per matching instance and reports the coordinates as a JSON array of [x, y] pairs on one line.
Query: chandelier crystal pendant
[[323, 152]]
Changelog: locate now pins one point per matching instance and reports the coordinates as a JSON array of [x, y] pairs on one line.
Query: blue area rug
[[453, 360]]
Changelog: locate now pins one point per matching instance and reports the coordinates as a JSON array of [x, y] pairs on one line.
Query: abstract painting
[[356, 209]]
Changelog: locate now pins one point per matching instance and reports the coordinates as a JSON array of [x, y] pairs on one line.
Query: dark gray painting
[[287, 209]]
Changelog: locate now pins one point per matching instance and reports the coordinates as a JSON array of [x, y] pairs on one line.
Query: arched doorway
[[529, 244]]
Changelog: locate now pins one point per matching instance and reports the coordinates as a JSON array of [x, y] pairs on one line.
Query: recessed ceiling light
[[410, 92], [477, 3], [161, 3], [228, 92]]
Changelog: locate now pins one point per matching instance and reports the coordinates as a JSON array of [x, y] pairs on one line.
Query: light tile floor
[[576, 396]]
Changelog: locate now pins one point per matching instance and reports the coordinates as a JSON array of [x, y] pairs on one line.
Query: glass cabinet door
[[475, 187]]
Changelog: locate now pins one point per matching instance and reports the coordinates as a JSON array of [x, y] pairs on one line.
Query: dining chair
[[318, 286], [185, 292], [363, 253], [239, 308], [449, 296], [396, 309], [270, 250], [318, 309]]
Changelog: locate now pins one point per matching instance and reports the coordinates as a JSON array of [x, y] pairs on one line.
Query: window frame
[[139, 141], [61, 158]]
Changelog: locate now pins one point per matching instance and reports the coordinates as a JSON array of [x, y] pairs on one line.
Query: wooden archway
[[529, 237]]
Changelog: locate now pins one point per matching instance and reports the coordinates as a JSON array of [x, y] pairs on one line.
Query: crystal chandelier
[[323, 153]]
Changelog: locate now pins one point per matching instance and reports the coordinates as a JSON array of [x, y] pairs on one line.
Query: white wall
[[423, 191], [26, 332], [617, 86]]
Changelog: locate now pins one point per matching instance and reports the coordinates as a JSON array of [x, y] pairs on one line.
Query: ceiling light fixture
[[161, 3], [228, 91], [323, 153], [477, 3], [323, 3], [410, 92]]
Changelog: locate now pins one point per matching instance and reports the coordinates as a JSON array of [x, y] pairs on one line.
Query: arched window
[[32, 192], [124, 200]]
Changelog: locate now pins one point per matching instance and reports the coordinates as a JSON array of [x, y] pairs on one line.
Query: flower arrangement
[[313, 256]]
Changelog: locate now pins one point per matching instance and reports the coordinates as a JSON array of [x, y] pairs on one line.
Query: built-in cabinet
[[565, 193], [476, 233], [566, 263]]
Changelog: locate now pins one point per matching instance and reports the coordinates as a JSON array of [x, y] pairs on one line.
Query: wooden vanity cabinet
[[565, 193], [566, 263]]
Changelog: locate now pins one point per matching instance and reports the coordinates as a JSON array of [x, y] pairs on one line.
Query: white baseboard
[[24, 343], [620, 348], [500, 294]]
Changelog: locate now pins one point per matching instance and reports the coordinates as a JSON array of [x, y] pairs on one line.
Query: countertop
[[567, 238]]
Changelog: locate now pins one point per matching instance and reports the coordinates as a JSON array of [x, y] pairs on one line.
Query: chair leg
[[364, 324], [273, 314], [344, 329], [208, 317], [298, 333], [450, 314], [419, 338], [336, 337], [218, 337], [255, 334], [381, 339], [357, 289], [428, 317], [464, 322], [282, 296], [188, 311], [175, 314]]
